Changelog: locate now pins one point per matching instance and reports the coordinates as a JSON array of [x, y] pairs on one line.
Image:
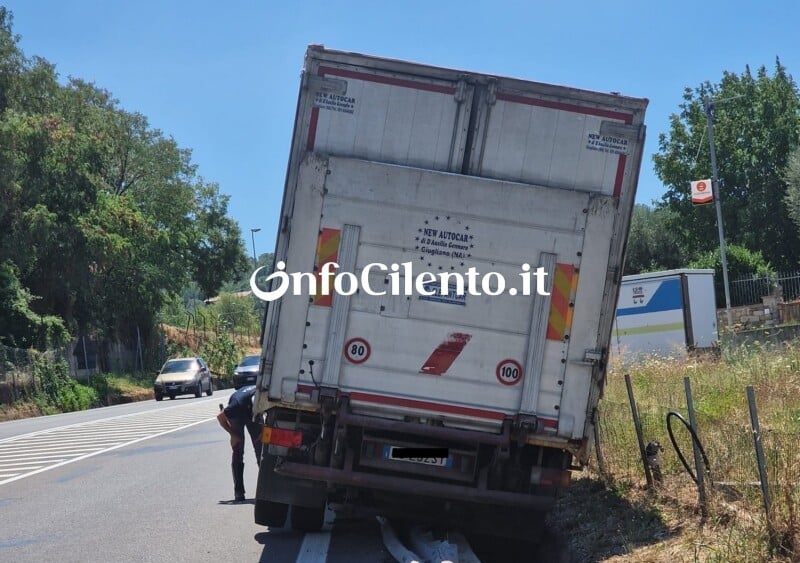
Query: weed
[[735, 529]]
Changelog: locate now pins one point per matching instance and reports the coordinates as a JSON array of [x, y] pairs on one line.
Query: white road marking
[[34, 455], [314, 548], [51, 449], [30, 454], [108, 420], [19, 466]]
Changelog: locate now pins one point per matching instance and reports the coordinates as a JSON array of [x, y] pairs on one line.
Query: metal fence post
[[639, 437], [698, 467], [139, 348], [762, 467], [14, 383]]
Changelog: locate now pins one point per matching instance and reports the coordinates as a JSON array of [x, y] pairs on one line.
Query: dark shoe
[[239, 498], [238, 481]]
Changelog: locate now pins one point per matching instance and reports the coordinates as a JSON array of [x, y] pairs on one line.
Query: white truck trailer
[[453, 405], [665, 314]]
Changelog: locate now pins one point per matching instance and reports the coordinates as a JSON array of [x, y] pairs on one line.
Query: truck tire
[[272, 514], [159, 397], [308, 518], [199, 391], [210, 388]]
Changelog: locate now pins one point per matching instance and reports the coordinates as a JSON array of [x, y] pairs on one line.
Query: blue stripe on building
[[666, 298]]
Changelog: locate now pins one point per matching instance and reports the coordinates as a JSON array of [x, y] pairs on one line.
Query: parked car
[[182, 376], [246, 372]]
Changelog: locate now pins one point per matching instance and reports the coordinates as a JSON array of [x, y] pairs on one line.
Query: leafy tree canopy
[[756, 119], [653, 245], [101, 216]]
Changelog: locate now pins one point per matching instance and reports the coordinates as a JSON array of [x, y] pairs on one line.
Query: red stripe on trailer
[[312, 129], [414, 403], [620, 175], [427, 405], [598, 112], [445, 354], [549, 422], [346, 73]]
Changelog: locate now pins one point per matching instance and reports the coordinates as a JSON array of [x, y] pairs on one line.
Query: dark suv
[[246, 372]]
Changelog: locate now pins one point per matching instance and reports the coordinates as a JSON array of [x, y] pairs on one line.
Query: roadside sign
[[702, 192], [357, 350], [509, 372]]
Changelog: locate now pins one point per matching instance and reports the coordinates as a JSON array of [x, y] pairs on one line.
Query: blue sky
[[222, 78]]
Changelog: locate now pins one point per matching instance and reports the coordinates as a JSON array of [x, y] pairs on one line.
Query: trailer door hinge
[[592, 356], [614, 273]]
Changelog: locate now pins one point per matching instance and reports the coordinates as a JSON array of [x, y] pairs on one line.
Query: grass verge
[[615, 517], [101, 390]]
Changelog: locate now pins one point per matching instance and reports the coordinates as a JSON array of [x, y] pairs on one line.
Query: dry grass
[[194, 340], [631, 523], [18, 411]]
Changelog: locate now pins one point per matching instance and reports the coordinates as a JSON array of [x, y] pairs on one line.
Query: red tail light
[[281, 437]]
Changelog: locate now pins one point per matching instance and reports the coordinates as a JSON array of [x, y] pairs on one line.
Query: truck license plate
[[423, 456]]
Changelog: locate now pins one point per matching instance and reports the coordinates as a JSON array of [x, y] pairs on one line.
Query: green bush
[[99, 383], [59, 391], [222, 355], [742, 263], [52, 377], [76, 397]]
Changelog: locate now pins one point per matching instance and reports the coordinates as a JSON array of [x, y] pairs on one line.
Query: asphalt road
[[151, 482], [145, 482]]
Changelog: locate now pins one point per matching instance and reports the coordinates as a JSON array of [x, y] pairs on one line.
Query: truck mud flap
[[276, 487]]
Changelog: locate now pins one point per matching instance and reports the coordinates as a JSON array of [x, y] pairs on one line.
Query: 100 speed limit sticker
[[509, 372]]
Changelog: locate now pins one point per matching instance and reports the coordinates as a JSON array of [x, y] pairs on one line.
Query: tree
[[653, 244], [217, 254], [21, 327], [756, 124], [791, 176], [101, 216]]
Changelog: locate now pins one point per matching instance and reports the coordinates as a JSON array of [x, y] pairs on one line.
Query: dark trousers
[[254, 429]]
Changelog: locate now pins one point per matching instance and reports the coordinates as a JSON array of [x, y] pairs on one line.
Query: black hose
[[695, 440]]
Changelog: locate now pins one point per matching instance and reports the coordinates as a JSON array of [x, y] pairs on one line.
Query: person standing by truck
[[234, 418]]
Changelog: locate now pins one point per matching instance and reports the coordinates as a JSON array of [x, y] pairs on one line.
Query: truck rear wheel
[[272, 514], [308, 518]]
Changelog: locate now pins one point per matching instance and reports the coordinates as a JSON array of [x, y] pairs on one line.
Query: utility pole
[[715, 189], [253, 235]]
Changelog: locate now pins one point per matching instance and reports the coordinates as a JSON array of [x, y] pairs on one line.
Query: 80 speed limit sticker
[[357, 350], [509, 372]]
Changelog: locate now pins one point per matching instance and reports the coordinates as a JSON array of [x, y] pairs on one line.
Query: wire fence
[[18, 376], [240, 327], [729, 446]]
